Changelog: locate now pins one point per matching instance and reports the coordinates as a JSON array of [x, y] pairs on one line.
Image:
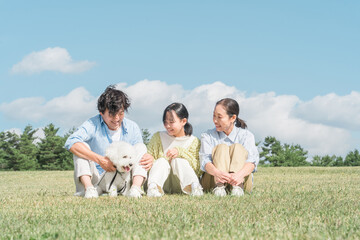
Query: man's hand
[[147, 161], [106, 164]]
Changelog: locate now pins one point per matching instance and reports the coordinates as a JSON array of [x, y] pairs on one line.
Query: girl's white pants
[[174, 177]]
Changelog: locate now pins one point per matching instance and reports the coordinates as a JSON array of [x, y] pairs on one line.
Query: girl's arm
[[191, 154], [154, 147]]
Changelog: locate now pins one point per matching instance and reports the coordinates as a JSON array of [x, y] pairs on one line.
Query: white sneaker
[[154, 192], [135, 192], [220, 191], [79, 194], [91, 192], [197, 191], [237, 191]]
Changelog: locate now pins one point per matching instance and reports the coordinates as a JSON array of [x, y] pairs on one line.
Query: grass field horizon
[[286, 203]]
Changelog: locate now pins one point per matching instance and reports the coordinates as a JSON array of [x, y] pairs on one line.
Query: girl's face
[[222, 121], [174, 125]]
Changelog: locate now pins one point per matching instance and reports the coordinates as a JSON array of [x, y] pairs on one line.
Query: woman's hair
[[232, 108], [182, 113], [114, 100]]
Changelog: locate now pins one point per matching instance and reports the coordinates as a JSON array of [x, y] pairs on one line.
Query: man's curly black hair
[[114, 100]]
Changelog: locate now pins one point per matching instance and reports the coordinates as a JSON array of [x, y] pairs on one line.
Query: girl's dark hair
[[114, 100], [232, 108], [182, 113]]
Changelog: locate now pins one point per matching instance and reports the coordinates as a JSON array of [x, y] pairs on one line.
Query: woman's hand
[[147, 161], [222, 177], [236, 179], [106, 164], [172, 153]]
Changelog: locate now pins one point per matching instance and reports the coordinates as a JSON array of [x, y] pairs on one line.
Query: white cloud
[[39, 133], [51, 59], [266, 114], [270, 115], [331, 109], [66, 111], [16, 131]]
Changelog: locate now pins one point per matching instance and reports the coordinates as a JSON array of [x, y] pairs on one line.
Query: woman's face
[[174, 125], [113, 121], [222, 121]]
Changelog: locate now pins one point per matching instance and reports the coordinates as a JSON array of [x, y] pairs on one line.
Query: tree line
[[274, 153], [28, 152]]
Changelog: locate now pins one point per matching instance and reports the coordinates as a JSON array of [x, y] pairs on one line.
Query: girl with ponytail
[[176, 152], [228, 153]]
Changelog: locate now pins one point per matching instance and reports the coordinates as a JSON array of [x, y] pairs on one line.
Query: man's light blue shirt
[[212, 138], [96, 134]]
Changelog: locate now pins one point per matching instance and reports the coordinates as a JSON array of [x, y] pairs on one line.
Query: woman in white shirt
[[228, 154]]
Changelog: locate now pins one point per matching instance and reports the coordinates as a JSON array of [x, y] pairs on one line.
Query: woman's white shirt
[[212, 138]]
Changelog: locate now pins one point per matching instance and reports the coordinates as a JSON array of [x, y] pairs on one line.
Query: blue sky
[[303, 53]]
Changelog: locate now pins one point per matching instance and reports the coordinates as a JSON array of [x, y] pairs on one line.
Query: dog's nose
[[130, 164]]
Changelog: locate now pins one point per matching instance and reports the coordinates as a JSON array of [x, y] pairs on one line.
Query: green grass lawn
[[286, 203]]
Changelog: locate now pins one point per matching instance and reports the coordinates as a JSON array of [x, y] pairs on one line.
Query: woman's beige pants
[[229, 159]]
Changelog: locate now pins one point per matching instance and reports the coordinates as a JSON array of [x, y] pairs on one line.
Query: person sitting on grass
[[177, 167], [228, 153], [89, 142]]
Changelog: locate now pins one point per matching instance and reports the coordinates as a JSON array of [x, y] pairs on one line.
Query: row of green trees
[[276, 154], [27, 152]]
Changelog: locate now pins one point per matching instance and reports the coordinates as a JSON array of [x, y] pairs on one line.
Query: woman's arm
[[239, 177], [220, 176]]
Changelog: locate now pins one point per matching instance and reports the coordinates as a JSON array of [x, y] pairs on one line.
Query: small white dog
[[125, 157]]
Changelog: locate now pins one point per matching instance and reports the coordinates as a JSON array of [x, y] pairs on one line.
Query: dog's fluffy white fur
[[125, 157]]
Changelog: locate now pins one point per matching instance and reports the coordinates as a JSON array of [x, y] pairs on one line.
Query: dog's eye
[[126, 156]]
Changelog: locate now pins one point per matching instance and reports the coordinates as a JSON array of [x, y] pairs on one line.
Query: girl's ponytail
[[188, 129]]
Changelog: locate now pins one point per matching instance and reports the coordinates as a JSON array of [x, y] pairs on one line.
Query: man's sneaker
[[154, 192], [237, 191], [220, 191], [197, 191], [91, 192], [135, 192]]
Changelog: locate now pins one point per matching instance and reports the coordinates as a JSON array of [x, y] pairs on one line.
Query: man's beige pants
[[230, 159]]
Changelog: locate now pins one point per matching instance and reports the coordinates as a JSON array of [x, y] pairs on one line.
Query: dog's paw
[[113, 192], [135, 192]]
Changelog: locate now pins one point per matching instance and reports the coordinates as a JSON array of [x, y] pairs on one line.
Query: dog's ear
[[110, 153]]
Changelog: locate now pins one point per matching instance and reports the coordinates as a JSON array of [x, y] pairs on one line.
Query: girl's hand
[[222, 177], [172, 153], [236, 179]]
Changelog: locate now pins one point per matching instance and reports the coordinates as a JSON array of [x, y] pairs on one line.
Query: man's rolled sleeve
[[82, 134], [137, 138]]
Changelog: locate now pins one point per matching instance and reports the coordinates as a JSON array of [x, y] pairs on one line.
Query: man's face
[[113, 121]]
